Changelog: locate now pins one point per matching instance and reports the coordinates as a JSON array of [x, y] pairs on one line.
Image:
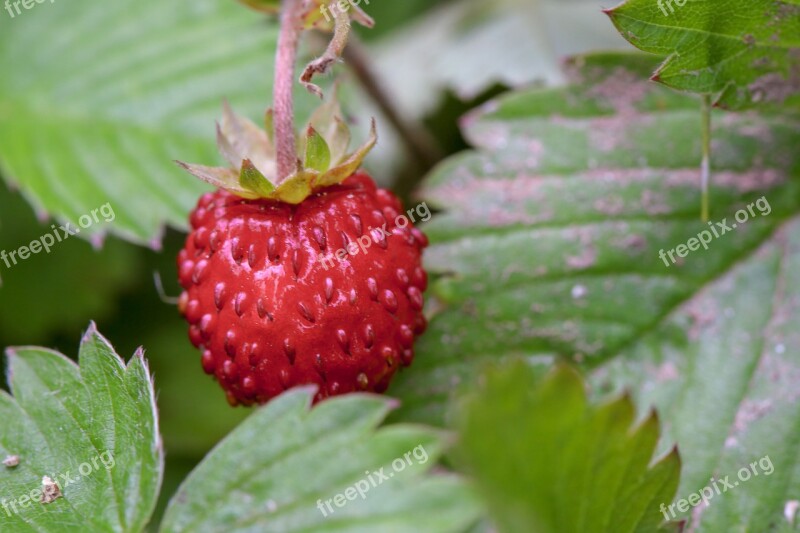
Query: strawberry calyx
[[323, 156]]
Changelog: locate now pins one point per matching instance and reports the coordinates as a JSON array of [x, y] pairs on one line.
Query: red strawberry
[[270, 305]]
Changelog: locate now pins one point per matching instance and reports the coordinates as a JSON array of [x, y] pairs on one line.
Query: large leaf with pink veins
[[548, 247]]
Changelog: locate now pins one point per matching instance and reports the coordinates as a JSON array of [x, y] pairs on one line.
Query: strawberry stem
[[286, 58]]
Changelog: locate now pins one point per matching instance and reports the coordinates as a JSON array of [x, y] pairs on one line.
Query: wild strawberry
[[269, 302]]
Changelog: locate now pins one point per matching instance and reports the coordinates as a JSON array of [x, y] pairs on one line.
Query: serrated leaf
[[547, 461], [549, 246], [549, 237], [277, 468], [92, 428], [724, 371], [98, 110], [193, 413], [744, 52]]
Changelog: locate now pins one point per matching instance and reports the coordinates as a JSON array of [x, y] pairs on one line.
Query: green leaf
[[318, 154], [724, 371], [744, 52], [277, 469], [549, 237], [93, 429], [547, 461], [105, 103]]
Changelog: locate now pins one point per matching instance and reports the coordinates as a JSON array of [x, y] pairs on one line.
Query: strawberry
[[271, 300]]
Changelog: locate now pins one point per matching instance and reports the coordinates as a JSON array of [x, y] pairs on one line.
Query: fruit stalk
[[286, 58]]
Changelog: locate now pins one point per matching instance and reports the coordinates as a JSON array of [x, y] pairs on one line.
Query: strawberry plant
[[416, 279]]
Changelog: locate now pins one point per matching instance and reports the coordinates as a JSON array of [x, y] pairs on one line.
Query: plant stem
[[285, 60], [333, 52], [705, 173]]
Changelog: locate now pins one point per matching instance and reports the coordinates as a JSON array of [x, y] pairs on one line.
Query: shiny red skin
[[268, 315]]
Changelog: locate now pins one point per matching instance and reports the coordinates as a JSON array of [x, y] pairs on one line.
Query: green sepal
[[252, 180], [318, 154], [346, 169], [221, 178], [295, 189]]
